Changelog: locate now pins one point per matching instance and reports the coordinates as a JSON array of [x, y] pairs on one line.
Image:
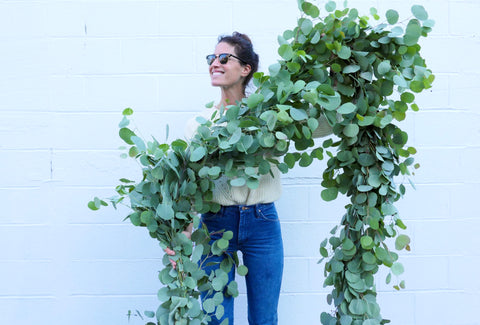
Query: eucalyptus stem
[[362, 79]]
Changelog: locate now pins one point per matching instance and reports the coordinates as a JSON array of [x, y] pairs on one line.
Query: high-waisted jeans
[[257, 234]]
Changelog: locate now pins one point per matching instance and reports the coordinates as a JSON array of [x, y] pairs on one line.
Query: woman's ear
[[246, 70]]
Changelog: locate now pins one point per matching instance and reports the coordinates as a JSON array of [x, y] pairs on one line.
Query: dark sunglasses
[[222, 58]]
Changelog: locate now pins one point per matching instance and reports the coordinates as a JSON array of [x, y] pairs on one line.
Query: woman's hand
[[187, 232]]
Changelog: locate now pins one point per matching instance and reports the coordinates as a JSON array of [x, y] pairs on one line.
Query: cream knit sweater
[[269, 189]]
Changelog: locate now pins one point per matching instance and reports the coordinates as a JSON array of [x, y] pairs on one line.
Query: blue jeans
[[257, 234]]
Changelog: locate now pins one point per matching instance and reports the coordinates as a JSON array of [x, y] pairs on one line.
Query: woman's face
[[229, 74]]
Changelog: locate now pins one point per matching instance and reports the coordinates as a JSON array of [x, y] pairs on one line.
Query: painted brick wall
[[68, 69]]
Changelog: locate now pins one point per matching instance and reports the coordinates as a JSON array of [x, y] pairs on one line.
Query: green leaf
[[270, 117], [126, 134], [401, 242], [351, 130], [254, 99], [384, 67], [274, 69], [347, 108], [351, 68], [366, 242], [310, 10], [238, 182], [127, 111], [392, 16], [306, 26], [286, 52], [305, 160], [344, 52], [242, 270], [416, 86], [124, 122], [412, 33], [419, 12], [357, 307], [92, 206], [330, 6], [329, 194], [198, 154], [397, 268], [139, 143], [222, 243], [346, 320], [298, 114], [299, 85], [400, 81], [165, 211]]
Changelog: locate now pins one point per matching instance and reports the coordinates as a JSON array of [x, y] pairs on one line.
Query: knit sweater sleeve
[[324, 128]]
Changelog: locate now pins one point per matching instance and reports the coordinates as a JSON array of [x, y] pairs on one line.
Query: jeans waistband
[[244, 207]]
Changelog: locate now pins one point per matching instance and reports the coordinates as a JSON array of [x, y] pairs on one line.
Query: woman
[[249, 213]]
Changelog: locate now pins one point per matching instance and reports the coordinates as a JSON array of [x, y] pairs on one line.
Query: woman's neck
[[231, 95]]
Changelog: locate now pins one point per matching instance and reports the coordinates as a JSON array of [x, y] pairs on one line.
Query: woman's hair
[[244, 50]]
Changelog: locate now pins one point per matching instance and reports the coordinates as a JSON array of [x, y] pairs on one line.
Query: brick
[[412, 206], [28, 278], [74, 208], [107, 93], [203, 17], [461, 193], [294, 203], [303, 239], [65, 19], [33, 167], [445, 307], [25, 58], [399, 307], [27, 202], [431, 128], [22, 19], [175, 99], [270, 19], [438, 97], [125, 19], [108, 309], [295, 276], [151, 55], [29, 310], [67, 93], [439, 165], [26, 242], [67, 56], [113, 277], [99, 168], [466, 13], [111, 242], [304, 307], [444, 237], [462, 275], [461, 88], [103, 56]]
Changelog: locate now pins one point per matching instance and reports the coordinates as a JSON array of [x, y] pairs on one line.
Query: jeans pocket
[[267, 212]]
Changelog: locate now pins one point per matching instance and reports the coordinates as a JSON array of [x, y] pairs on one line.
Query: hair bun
[[243, 36]]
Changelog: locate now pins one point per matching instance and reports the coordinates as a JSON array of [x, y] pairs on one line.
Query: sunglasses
[[222, 58]]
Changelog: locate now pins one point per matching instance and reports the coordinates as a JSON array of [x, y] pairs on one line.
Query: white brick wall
[[67, 70]]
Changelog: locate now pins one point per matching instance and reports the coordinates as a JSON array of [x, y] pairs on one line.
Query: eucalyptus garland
[[362, 79]]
